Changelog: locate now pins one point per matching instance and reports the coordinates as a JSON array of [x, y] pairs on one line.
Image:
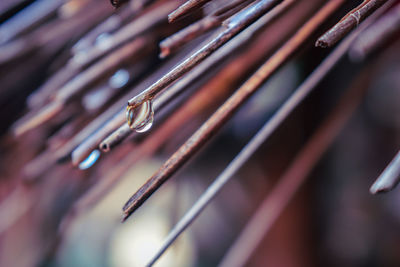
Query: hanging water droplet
[[90, 160], [140, 118]]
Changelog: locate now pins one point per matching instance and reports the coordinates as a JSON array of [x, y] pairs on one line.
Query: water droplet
[[80, 56], [119, 79], [90, 160], [140, 118], [104, 41]]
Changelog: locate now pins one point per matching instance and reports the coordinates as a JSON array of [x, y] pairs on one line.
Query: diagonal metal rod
[[226, 111], [389, 178], [303, 91]]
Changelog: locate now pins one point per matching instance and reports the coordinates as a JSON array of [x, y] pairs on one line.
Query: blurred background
[[67, 70]]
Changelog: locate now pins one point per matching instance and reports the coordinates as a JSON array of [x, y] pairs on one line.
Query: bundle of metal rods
[[89, 90]]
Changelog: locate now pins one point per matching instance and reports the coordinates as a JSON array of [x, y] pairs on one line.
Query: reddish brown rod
[[226, 111], [348, 22]]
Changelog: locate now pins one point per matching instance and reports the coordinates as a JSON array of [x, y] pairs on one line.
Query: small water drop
[[140, 118], [119, 79], [90, 160], [104, 41]]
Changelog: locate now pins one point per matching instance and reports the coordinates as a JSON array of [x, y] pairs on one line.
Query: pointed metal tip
[[321, 43], [171, 18], [125, 216], [104, 147], [378, 188], [389, 178], [164, 53], [115, 3]]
